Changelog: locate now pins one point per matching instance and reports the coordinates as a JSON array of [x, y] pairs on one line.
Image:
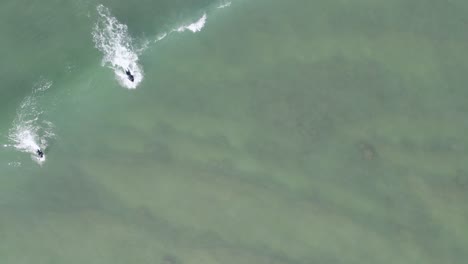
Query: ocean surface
[[267, 131]]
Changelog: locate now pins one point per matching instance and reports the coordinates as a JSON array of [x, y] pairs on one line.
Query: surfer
[[40, 153], [130, 75]]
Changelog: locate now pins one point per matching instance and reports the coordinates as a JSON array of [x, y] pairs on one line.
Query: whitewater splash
[[30, 131], [113, 40]]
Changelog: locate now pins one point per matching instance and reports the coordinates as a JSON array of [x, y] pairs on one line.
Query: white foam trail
[[224, 5], [194, 27], [30, 131], [113, 40]]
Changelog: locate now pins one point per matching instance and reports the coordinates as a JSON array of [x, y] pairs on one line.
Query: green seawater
[[283, 132]]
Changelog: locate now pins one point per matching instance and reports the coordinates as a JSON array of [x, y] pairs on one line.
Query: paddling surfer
[[40, 153], [130, 75]]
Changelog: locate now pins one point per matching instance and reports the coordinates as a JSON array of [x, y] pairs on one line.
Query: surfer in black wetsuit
[[40, 153], [130, 75]]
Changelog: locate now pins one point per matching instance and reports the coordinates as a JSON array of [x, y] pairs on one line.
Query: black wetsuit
[[40, 153], [129, 75]]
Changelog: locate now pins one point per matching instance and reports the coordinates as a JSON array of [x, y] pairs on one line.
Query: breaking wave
[[194, 27]]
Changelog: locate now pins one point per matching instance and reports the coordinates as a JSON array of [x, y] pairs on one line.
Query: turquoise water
[[281, 132]]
